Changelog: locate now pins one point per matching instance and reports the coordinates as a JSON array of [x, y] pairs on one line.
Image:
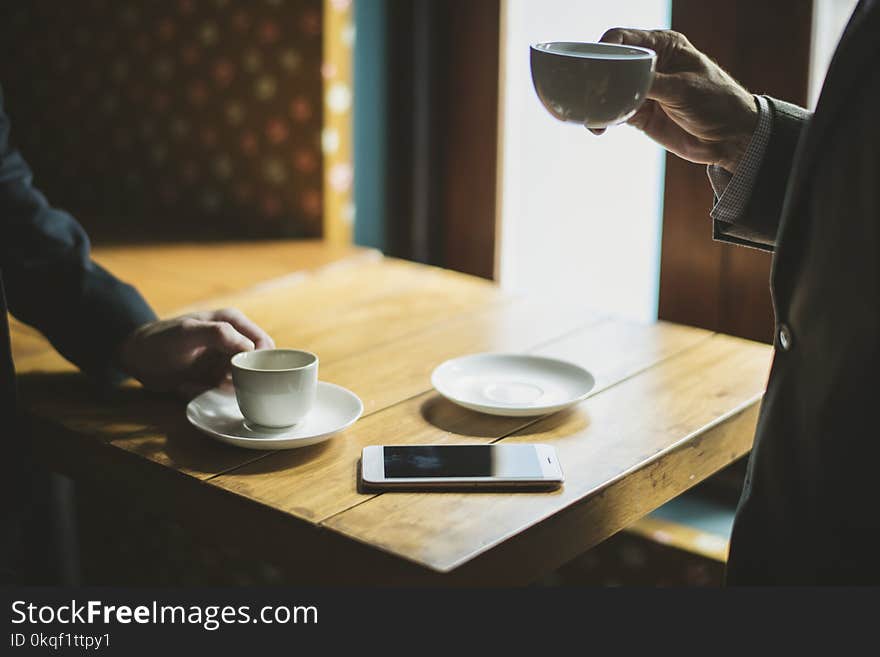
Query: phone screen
[[472, 461]]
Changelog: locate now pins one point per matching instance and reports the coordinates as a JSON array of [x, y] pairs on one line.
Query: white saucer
[[512, 384], [216, 413]]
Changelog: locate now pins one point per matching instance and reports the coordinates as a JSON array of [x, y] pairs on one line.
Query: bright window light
[[579, 215]]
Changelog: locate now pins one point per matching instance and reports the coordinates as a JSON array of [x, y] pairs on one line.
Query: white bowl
[[593, 84], [516, 385]]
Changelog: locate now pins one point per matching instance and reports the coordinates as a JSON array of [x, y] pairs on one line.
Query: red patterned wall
[[183, 119]]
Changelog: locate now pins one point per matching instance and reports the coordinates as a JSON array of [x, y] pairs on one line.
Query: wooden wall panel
[[443, 131], [721, 287], [470, 103]]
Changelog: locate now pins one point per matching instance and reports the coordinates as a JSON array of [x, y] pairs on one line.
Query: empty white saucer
[[512, 384], [216, 413]]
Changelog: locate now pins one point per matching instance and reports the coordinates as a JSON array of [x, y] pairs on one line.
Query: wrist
[[736, 146]]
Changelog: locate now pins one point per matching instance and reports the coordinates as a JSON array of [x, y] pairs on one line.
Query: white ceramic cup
[[593, 84], [275, 387]]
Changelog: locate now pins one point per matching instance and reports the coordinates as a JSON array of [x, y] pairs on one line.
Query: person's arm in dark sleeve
[[50, 280], [748, 204]]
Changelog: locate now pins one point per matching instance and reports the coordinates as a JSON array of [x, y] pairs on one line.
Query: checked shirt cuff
[[732, 191]]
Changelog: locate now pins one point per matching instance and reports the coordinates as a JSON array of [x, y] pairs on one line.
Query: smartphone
[[414, 467]]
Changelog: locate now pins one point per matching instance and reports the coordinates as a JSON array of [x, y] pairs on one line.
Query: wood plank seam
[[218, 302], [122, 436], [666, 367], [596, 392], [368, 256], [427, 391], [581, 512], [678, 351], [734, 426], [650, 463], [528, 422], [295, 278]]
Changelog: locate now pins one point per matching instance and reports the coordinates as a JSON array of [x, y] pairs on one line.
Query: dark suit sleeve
[[759, 222], [50, 280]]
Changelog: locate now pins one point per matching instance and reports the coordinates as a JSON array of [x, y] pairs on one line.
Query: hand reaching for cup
[[694, 108], [190, 353]]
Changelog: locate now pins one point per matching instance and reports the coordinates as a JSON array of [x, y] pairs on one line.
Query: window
[[579, 215]]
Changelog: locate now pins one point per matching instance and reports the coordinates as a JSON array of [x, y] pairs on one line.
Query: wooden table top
[[672, 405]]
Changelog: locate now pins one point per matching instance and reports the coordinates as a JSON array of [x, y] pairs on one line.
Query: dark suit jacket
[[48, 280], [810, 511]]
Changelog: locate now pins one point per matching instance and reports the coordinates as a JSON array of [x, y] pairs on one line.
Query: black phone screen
[[471, 461]]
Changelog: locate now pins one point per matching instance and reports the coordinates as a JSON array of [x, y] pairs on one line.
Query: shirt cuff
[[732, 191]]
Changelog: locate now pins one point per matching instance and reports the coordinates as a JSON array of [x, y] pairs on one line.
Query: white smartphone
[[460, 466]]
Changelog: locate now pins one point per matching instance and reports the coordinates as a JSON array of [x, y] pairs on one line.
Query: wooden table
[[672, 405]]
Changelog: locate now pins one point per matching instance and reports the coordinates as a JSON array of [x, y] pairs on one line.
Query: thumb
[[666, 88]]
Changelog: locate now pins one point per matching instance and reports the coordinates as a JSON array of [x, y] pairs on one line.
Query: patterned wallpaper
[[186, 119], [339, 35]]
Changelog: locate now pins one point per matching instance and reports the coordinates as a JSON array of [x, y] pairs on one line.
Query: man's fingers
[[666, 88], [674, 51], [221, 336], [657, 40], [656, 124], [629, 37], [241, 323], [224, 337], [640, 119], [245, 326], [621, 35], [653, 121], [614, 35]]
